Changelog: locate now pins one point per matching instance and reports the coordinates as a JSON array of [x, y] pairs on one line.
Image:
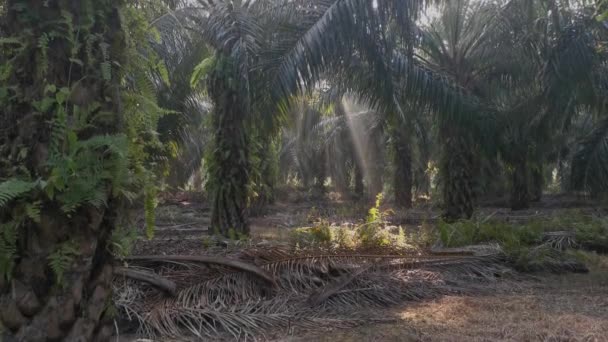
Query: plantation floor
[[571, 307], [182, 224], [554, 308]]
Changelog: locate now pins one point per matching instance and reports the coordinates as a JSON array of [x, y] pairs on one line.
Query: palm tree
[[459, 43], [304, 147], [266, 51], [184, 127], [589, 172], [553, 58], [514, 57], [402, 162]]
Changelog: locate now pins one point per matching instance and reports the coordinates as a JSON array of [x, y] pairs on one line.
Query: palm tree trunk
[[520, 191], [538, 183], [403, 169], [230, 163], [422, 179], [457, 174], [33, 306], [269, 171], [375, 174], [358, 180]]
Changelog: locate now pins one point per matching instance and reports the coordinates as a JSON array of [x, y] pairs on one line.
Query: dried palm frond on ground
[[564, 307], [283, 290], [560, 240]]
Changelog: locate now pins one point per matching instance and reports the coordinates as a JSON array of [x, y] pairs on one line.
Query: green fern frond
[[61, 259], [10, 41], [116, 144], [14, 188], [32, 210], [128, 195], [43, 45], [106, 70], [162, 70], [82, 193], [150, 203], [58, 133], [122, 241], [201, 70]]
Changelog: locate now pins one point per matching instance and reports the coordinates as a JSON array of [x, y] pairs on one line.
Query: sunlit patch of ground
[[554, 308]]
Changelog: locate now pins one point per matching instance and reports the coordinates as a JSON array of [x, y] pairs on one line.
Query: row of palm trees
[[500, 84]]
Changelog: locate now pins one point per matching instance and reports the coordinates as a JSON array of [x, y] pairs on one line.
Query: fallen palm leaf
[[151, 278], [231, 263], [319, 297], [312, 288]]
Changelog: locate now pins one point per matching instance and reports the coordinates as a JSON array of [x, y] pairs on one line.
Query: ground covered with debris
[[563, 307], [297, 279]]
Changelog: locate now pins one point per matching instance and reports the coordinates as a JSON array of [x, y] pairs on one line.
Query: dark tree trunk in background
[[358, 180], [230, 164], [403, 169], [269, 172], [457, 169], [520, 191], [538, 183], [422, 179], [375, 176], [33, 306]]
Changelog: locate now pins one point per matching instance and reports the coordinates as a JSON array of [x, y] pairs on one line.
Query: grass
[[528, 243]]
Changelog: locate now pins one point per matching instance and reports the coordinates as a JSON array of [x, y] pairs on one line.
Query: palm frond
[[312, 289], [341, 27]]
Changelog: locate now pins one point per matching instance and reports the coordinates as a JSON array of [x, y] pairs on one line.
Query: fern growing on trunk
[[77, 150]]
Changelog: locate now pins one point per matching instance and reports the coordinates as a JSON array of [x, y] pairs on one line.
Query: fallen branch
[[335, 287], [151, 278], [235, 264], [171, 227], [452, 252]]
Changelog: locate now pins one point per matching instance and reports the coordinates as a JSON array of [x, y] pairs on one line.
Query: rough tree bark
[[33, 306], [230, 162], [457, 170], [520, 191], [359, 187], [538, 183], [376, 165]]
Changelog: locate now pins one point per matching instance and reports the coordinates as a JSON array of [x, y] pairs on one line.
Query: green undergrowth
[[375, 232], [588, 231], [542, 244], [556, 244]]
